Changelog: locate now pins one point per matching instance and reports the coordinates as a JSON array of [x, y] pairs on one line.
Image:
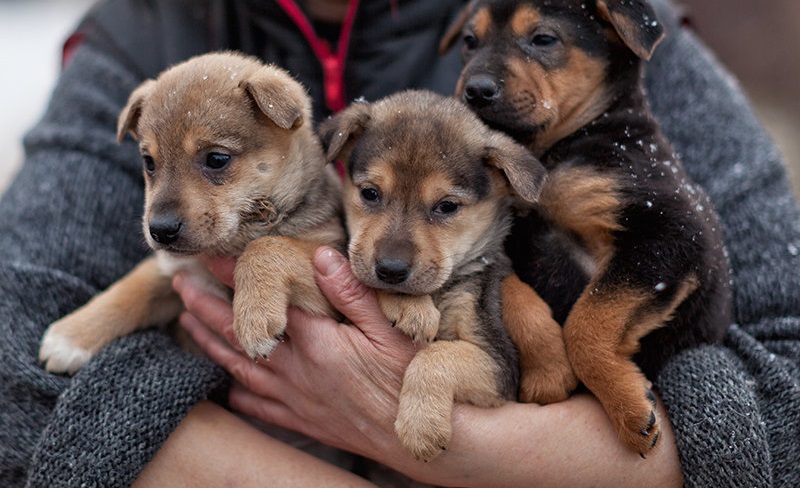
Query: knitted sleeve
[[69, 226], [735, 408]]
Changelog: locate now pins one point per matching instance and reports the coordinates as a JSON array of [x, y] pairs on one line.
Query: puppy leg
[[442, 373], [546, 375], [273, 273], [416, 316], [602, 333], [143, 298]]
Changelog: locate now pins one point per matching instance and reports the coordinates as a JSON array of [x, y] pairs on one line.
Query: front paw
[[638, 424], [258, 327], [416, 316], [424, 429], [64, 348], [547, 383]]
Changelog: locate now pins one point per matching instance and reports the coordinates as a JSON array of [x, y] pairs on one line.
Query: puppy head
[[226, 148], [428, 188], [540, 69]]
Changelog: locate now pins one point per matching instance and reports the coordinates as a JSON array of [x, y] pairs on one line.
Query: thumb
[[348, 295]]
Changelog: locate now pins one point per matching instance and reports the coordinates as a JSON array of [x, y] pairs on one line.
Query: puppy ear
[[278, 96], [635, 22], [339, 133], [454, 30], [129, 117], [524, 172]]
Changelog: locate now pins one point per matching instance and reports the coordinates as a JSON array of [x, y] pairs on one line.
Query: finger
[[351, 297], [222, 268], [244, 370], [209, 309]]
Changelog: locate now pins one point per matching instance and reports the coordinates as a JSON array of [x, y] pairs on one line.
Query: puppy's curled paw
[[416, 316], [425, 432], [60, 354]]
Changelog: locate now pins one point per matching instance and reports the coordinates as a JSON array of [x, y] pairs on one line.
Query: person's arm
[[214, 447], [735, 408], [340, 383], [69, 226]]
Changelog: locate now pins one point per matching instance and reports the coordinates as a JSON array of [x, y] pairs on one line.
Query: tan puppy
[[231, 167], [427, 201]]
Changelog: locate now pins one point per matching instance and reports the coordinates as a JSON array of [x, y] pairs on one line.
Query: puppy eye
[[370, 195], [217, 161], [149, 165], [446, 207], [470, 41], [544, 40]]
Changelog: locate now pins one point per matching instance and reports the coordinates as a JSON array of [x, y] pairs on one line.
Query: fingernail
[[178, 281], [328, 261]]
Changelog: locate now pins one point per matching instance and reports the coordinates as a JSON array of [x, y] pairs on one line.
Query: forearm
[[213, 447], [569, 444]]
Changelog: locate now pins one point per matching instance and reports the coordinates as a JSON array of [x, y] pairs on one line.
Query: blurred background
[[758, 40]]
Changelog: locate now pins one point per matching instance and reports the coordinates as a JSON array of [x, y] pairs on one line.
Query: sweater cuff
[[119, 410], [714, 409]]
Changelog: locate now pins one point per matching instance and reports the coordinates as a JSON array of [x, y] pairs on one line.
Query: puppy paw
[[258, 327], [62, 351], [638, 425], [424, 431], [548, 384], [416, 316]]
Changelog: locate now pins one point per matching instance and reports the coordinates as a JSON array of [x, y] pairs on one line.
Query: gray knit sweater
[[69, 226]]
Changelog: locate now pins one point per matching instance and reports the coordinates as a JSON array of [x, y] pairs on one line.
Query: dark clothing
[[70, 224]]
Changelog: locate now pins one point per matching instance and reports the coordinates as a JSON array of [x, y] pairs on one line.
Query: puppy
[[231, 167], [622, 245], [427, 201]]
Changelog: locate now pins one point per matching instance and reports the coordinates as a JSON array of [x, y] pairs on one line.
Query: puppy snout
[[481, 90], [165, 229], [392, 271]]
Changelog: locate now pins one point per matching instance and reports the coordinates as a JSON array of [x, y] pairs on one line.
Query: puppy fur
[[232, 167], [622, 245], [427, 200]]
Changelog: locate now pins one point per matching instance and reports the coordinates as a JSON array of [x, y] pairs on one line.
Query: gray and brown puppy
[[427, 199], [232, 167]]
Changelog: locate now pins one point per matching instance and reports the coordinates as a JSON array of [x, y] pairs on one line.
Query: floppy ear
[[635, 22], [454, 30], [278, 96], [129, 117], [339, 133], [522, 169]]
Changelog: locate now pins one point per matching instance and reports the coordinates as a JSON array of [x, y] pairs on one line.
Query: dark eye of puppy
[[544, 40], [370, 195], [217, 161], [470, 41], [149, 164], [445, 207]]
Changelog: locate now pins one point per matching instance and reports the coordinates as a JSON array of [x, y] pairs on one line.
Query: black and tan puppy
[[232, 167], [624, 248], [427, 199]]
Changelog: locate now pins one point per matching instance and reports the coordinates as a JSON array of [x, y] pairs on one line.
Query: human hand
[[337, 383]]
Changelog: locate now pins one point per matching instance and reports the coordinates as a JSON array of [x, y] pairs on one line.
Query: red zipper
[[333, 63]]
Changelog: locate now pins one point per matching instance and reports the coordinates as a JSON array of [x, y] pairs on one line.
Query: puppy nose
[[165, 229], [481, 90], [392, 271]]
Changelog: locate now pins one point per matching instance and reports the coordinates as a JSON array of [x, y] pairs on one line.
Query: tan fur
[[546, 374], [524, 20], [586, 202], [564, 100], [603, 331], [259, 117]]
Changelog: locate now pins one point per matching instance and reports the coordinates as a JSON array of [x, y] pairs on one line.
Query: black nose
[[165, 229], [481, 90], [392, 271]]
